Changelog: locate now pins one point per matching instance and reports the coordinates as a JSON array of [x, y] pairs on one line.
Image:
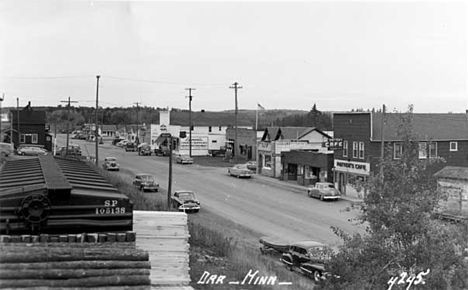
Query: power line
[[190, 119], [68, 122], [235, 87]]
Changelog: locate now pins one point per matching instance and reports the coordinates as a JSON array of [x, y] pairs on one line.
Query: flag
[[260, 107]]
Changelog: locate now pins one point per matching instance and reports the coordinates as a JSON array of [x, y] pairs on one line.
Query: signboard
[[198, 143], [361, 168], [156, 130], [334, 144]]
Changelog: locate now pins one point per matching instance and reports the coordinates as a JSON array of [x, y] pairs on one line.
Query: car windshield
[[186, 195], [111, 159], [330, 186], [147, 177]]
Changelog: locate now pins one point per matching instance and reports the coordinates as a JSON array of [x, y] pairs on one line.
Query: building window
[[214, 141], [432, 150], [345, 148], [422, 150], [397, 150], [191, 128], [34, 138], [22, 138], [267, 161], [355, 149], [209, 128], [453, 146], [220, 129], [361, 150]]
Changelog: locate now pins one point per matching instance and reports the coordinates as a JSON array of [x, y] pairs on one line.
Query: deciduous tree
[[401, 234]]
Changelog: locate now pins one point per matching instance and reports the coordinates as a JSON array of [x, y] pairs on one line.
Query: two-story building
[[32, 127], [440, 136], [276, 140]]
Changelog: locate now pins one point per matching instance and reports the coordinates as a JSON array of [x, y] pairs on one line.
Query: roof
[[308, 244], [430, 126], [52, 173], [289, 133], [453, 172]]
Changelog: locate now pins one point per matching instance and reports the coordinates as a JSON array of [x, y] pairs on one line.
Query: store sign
[[352, 167], [200, 143], [334, 144]]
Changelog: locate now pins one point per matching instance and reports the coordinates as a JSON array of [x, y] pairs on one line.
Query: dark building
[[32, 127], [247, 142], [439, 135], [307, 167]]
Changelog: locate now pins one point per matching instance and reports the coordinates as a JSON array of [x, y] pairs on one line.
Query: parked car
[[183, 159], [251, 165], [145, 182], [324, 191], [122, 143], [110, 163], [31, 151], [117, 140], [6, 149], [307, 257], [144, 149], [162, 151], [73, 150], [131, 146], [240, 170], [185, 200]]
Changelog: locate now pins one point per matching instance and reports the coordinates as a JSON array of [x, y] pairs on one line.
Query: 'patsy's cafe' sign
[[361, 168]]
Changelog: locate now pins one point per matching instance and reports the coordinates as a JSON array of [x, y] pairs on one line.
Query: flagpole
[[256, 119]]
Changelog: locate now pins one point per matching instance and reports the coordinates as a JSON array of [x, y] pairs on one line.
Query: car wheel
[[317, 276], [156, 190], [321, 197], [141, 188], [238, 176]]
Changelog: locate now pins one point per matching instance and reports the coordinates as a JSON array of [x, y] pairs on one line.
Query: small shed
[[453, 181]]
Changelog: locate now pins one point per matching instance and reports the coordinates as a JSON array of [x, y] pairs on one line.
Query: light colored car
[[183, 159], [251, 165], [110, 163], [240, 170], [324, 191], [185, 200], [122, 143], [6, 149], [144, 181], [31, 151]]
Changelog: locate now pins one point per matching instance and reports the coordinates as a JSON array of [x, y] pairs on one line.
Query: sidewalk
[[351, 195]]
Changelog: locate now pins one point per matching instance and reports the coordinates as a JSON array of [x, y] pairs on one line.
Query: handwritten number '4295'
[[405, 278]]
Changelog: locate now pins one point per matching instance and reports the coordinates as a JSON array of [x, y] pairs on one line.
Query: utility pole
[[96, 133], [236, 149], [190, 119], [18, 120], [382, 141], [169, 186], [68, 122], [1, 101], [138, 123]]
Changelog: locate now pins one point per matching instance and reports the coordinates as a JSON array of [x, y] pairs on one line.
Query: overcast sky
[[339, 55]]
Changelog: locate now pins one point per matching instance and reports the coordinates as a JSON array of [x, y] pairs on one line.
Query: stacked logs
[[81, 262]]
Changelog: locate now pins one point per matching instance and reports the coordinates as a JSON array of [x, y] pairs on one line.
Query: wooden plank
[[79, 265], [68, 254], [136, 287], [68, 273], [67, 245], [83, 282]]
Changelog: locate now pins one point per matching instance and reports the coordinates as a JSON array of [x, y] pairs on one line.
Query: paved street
[[258, 203]]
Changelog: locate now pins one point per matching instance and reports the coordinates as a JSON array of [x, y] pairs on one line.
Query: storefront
[[307, 167], [351, 176]]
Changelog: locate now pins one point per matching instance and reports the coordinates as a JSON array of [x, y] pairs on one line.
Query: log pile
[[85, 261]]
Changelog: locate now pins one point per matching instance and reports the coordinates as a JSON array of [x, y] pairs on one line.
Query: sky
[[284, 55]]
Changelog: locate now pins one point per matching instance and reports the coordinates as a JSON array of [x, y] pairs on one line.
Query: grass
[[217, 245]]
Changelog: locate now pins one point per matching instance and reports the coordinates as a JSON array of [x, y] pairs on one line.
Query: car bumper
[[151, 187], [186, 162], [189, 207], [331, 197]]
